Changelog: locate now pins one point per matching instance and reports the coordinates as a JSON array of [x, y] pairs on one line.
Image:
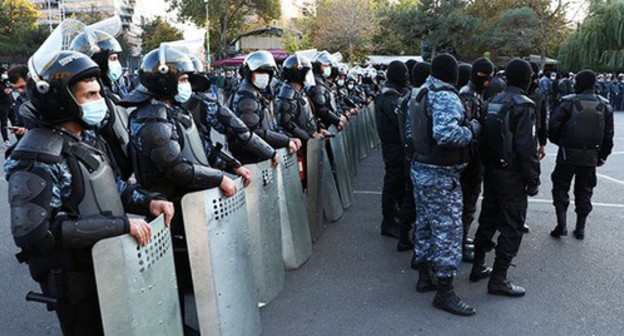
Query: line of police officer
[[492, 131], [92, 155]]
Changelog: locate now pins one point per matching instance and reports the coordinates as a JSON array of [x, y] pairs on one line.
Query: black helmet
[[322, 58], [49, 88], [259, 60], [199, 80], [161, 68], [295, 68], [98, 45]]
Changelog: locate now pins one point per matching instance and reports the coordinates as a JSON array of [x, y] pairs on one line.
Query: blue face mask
[[114, 70], [93, 113], [184, 93]]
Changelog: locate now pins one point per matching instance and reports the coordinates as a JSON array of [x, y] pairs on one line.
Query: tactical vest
[[191, 142], [94, 186], [497, 139], [585, 128], [426, 150]]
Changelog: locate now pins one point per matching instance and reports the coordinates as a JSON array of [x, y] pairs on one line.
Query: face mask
[[94, 112], [114, 70], [5, 76], [261, 81], [553, 77], [350, 86], [184, 93], [326, 72], [340, 82]]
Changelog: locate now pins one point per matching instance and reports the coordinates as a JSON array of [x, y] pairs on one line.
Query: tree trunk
[[350, 53], [434, 49]]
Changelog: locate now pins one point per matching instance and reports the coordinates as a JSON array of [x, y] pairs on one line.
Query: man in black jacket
[[386, 114], [509, 153], [582, 127]]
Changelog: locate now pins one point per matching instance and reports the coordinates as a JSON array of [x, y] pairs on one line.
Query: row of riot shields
[[239, 247]]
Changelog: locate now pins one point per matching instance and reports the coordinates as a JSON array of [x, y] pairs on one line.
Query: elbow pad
[[85, 232], [275, 139]]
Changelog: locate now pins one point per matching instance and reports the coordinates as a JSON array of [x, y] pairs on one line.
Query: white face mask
[[114, 70], [184, 93], [5, 76], [326, 72], [261, 81], [553, 77], [350, 86], [340, 82], [94, 112]]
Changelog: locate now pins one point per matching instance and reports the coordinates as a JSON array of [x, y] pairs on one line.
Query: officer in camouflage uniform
[[65, 191], [442, 138]]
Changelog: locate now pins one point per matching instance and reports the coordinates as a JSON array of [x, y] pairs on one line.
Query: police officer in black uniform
[[254, 109], [167, 150], [320, 94], [387, 105], [472, 176], [64, 191], [104, 49], [292, 108], [509, 152], [582, 127]]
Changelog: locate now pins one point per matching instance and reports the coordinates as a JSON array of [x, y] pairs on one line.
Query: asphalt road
[[357, 284]]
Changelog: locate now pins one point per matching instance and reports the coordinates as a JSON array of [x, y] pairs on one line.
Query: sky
[[151, 8]]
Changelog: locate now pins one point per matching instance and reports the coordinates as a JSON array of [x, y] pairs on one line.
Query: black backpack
[[585, 128], [496, 137]]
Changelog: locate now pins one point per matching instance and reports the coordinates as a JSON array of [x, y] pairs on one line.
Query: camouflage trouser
[[438, 230]]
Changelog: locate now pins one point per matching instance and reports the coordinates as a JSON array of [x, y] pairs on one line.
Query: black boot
[[405, 243], [579, 232], [390, 228], [446, 299], [426, 281], [562, 227], [499, 285], [479, 268], [467, 253]]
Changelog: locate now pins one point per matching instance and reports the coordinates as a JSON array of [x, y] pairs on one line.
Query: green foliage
[[157, 31], [599, 43], [228, 18], [515, 32], [19, 34]]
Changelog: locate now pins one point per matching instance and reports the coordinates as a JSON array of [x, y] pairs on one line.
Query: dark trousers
[[504, 210], [5, 111], [471, 180], [394, 181], [77, 307], [584, 183], [407, 213]]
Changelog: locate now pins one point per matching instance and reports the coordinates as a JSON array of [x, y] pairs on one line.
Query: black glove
[[601, 162], [532, 190], [475, 128]]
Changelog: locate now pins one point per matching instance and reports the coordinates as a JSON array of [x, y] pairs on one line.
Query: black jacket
[[580, 157], [386, 114]]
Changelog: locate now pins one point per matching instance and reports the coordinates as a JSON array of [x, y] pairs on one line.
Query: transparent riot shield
[[314, 177], [218, 247], [296, 240], [347, 140], [332, 207], [340, 167], [362, 134], [137, 284], [265, 231], [372, 126]]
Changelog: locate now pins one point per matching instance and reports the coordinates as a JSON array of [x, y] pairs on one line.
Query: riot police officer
[[582, 126], [61, 171], [254, 109], [509, 153], [441, 137], [472, 176], [104, 50], [320, 94], [167, 150], [292, 107], [386, 107]]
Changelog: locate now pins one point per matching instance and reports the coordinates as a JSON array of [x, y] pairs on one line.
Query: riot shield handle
[[38, 297]]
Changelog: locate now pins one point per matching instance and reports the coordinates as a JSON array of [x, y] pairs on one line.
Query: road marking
[[531, 200], [609, 178]]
